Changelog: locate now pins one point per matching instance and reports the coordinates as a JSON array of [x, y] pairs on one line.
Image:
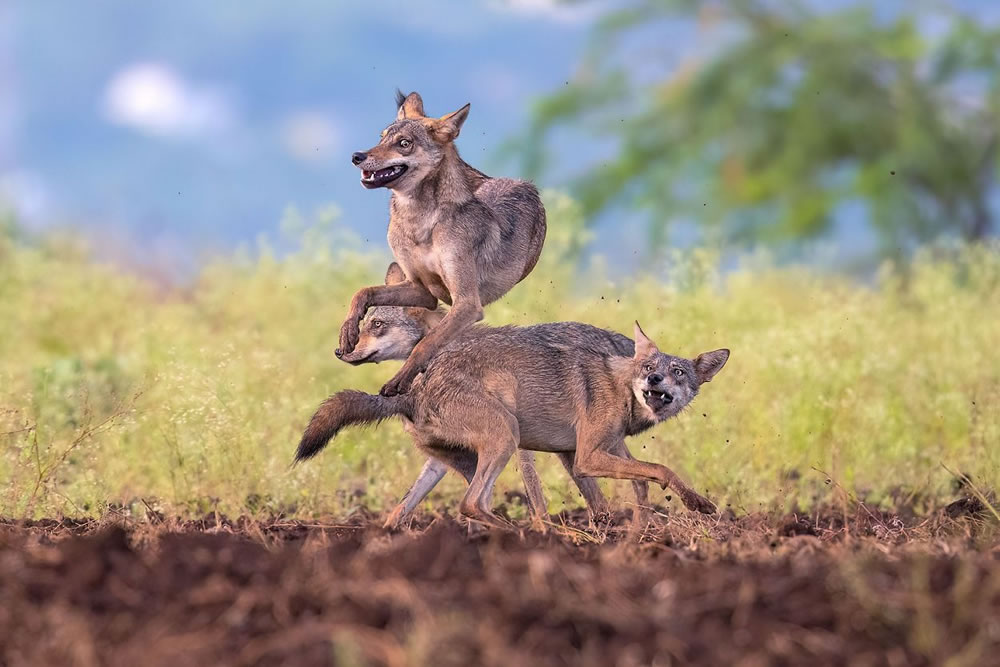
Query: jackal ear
[[394, 275], [449, 125], [644, 347], [411, 106], [428, 318], [710, 363]]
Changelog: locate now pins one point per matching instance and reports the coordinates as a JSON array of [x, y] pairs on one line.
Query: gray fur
[[556, 388]]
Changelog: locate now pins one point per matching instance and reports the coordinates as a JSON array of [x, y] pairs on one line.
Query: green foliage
[[792, 114], [116, 393]]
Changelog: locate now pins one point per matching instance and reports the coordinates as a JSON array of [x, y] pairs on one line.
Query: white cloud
[[309, 135], [553, 10], [153, 98]]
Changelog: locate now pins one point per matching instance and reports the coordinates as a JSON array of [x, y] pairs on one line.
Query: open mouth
[[381, 177], [657, 400]]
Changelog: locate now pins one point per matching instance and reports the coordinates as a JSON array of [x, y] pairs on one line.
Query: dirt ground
[[839, 586]]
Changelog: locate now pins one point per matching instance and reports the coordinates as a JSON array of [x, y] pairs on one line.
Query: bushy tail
[[344, 409]]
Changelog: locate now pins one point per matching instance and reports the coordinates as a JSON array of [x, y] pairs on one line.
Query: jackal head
[[391, 332], [411, 148], [666, 384]]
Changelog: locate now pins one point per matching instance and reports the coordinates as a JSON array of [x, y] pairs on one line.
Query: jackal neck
[[452, 182]]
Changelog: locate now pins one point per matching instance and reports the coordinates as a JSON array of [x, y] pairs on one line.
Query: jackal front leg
[[594, 458], [400, 294], [537, 507], [589, 489], [466, 311]]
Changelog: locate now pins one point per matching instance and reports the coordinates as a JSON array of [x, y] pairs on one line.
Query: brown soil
[[861, 587]]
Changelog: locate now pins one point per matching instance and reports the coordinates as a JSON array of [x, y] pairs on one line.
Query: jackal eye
[[679, 372], [404, 143], [648, 368]]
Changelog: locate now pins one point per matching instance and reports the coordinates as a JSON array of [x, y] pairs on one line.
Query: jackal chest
[[420, 259]]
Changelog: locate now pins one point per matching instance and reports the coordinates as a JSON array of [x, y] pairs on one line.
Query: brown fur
[[459, 236], [549, 388], [391, 332]]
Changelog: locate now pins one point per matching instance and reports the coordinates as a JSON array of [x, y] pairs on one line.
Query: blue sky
[[174, 127], [165, 129]]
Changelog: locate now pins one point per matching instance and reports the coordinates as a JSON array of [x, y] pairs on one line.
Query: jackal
[[391, 332], [460, 236], [545, 388]]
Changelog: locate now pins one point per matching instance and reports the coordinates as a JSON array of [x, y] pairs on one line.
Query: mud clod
[[797, 525]]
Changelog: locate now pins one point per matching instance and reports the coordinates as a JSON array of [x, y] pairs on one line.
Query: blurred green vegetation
[[790, 114], [117, 393]]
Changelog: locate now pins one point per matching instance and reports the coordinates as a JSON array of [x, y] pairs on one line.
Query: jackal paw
[[350, 332], [399, 384], [697, 503], [395, 518]]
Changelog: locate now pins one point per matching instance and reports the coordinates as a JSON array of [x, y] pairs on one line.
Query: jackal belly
[[545, 421], [547, 436]]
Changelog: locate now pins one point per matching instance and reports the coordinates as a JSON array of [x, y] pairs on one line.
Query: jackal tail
[[347, 408]]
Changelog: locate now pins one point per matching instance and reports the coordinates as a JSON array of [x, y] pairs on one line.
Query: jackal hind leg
[[441, 457], [482, 425], [432, 472], [461, 460], [537, 506]]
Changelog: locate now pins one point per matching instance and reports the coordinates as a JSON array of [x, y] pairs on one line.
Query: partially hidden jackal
[[547, 387], [460, 236]]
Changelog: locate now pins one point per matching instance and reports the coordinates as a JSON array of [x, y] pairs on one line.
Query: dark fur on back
[[346, 408]]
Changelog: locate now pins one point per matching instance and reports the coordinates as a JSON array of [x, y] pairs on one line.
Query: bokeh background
[[171, 130], [813, 184]]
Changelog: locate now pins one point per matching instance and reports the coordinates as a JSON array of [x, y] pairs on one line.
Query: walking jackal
[[546, 387]]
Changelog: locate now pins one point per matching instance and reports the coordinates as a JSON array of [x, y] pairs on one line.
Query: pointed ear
[[428, 318], [449, 125], [710, 363], [411, 106], [644, 347], [394, 275]]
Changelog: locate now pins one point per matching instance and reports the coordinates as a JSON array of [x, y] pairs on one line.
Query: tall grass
[[116, 392]]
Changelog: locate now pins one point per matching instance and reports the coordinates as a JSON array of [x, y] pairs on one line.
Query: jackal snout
[[654, 382]]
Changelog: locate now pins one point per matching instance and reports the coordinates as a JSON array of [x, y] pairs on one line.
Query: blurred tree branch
[[791, 113]]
